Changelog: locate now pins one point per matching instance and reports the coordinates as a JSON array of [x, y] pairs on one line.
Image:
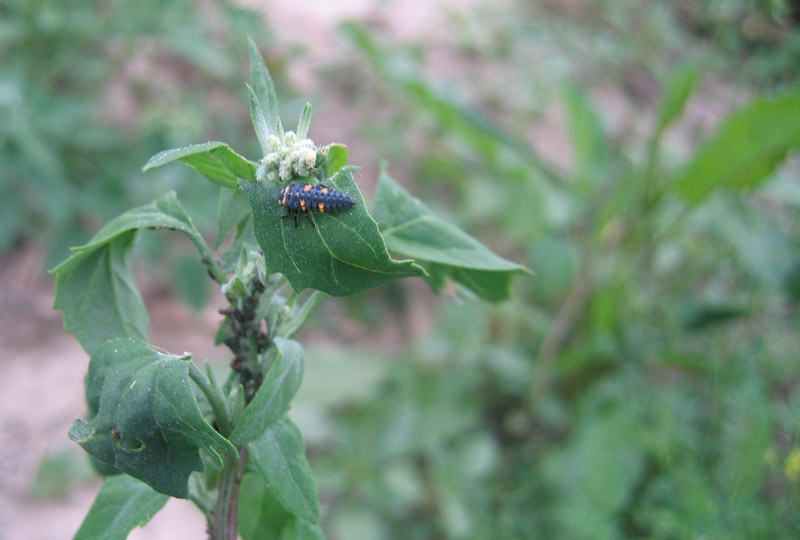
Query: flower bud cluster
[[289, 159]]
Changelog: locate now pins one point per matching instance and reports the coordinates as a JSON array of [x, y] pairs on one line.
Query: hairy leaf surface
[[144, 418], [279, 456]]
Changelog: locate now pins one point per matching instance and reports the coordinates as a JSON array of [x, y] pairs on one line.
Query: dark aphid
[[307, 198]]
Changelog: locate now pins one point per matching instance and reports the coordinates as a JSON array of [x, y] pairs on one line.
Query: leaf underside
[[216, 161]]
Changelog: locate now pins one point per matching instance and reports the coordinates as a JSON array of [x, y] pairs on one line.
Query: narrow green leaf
[[279, 456], [123, 504], [271, 402], [676, 94], [699, 316], [259, 119], [263, 100], [412, 229], [590, 150], [301, 314], [98, 296], [146, 421], [745, 149], [305, 122], [345, 254], [214, 160]]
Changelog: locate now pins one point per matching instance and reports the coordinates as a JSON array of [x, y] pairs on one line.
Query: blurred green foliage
[[644, 384], [90, 89]]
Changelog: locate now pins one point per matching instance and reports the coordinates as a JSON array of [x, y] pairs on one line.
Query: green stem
[[214, 269], [224, 521], [215, 399]]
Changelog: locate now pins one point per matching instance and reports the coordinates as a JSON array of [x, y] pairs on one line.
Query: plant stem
[[215, 399], [224, 520]]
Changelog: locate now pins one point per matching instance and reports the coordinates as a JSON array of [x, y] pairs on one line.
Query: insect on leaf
[[345, 254]]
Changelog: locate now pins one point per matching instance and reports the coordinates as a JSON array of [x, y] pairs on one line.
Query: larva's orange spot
[[307, 187], [321, 207], [324, 190], [303, 204], [285, 192]]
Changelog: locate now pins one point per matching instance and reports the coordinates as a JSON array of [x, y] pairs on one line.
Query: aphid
[[307, 198]]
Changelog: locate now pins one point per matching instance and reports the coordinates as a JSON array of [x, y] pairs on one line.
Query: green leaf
[[745, 150], [304, 123], [144, 418], [261, 515], [214, 160], [190, 280], [409, 227], [700, 316], [335, 158], [98, 297], [232, 211], [123, 504], [279, 456], [589, 146], [271, 402], [678, 89], [299, 529], [163, 213], [345, 254], [95, 289], [262, 98]]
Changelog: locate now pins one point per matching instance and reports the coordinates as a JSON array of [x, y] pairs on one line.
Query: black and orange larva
[[307, 198]]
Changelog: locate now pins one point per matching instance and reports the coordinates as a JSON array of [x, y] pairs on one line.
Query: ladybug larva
[[307, 198]]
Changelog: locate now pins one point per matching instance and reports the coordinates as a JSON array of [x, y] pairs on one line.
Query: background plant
[[710, 318], [660, 294], [147, 425], [84, 92]]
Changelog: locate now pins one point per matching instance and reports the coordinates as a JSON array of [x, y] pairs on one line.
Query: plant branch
[[215, 398]]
